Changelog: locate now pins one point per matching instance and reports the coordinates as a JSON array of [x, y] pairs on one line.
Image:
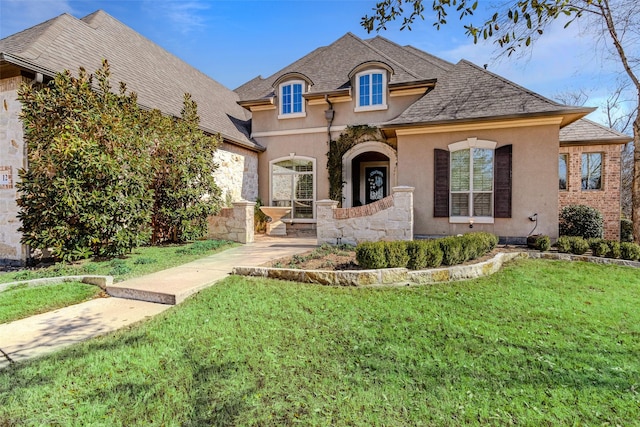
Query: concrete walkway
[[135, 300]]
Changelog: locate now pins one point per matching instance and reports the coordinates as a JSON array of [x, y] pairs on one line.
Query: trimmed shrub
[[614, 249], [433, 253], [572, 244], [581, 220], [630, 251], [540, 242], [451, 250], [371, 255], [599, 247], [626, 230], [564, 244], [417, 255], [396, 254]]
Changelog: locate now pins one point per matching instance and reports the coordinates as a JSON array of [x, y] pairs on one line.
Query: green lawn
[[539, 343], [20, 301], [141, 261]]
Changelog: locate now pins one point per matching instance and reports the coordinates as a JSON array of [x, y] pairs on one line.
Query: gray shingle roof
[[329, 67], [586, 130], [159, 78], [468, 92]]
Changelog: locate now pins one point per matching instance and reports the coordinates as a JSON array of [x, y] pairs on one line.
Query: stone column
[[403, 210], [326, 230], [243, 212]]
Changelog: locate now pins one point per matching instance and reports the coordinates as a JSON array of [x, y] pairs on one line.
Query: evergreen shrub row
[[421, 254], [599, 247]]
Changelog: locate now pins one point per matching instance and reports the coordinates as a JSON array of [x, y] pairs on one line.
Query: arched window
[[291, 100], [293, 185], [371, 90]]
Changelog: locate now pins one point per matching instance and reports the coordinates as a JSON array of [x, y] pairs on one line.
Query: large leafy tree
[[183, 184], [85, 191], [517, 24]]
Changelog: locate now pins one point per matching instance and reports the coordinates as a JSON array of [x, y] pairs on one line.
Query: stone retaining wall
[[235, 224], [405, 277], [100, 281], [388, 219]]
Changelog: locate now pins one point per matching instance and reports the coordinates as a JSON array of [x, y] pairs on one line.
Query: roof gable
[[585, 130], [159, 78]]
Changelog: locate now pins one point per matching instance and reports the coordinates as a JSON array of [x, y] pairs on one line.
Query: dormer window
[[371, 90], [291, 101]]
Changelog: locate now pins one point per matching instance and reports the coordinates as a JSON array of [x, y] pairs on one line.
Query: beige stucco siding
[[268, 121], [535, 149]]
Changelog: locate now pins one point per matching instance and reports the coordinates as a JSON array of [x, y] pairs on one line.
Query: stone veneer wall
[[237, 173], [12, 159], [607, 200], [234, 223], [388, 219]]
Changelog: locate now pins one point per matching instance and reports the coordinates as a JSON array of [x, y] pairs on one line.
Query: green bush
[[614, 249], [564, 244], [417, 255], [626, 230], [451, 250], [433, 253], [396, 254], [581, 220], [630, 251], [599, 247], [540, 242], [572, 244], [371, 255]]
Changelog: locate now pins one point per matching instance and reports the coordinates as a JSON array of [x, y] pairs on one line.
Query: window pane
[[376, 89], [297, 98], [286, 99], [562, 171], [304, 186], [460, 170], [364, 90], [460, 204], [303, 209], [482, 204], [482, 169], [591, 171]]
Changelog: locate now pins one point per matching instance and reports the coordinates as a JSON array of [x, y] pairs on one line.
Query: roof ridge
[[411, 52], [379, 52], [52, 26]]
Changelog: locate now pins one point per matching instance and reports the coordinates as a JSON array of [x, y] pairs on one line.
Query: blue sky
[[233, 41]]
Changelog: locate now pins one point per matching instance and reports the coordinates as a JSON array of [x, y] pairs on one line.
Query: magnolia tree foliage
[[516, 24], [98, 167], [184, 187]]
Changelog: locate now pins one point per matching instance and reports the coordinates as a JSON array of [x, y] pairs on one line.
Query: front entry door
[[375, 183]]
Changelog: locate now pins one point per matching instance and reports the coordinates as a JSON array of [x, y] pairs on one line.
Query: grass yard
[[19, 301], [141, 261], [539, 343]]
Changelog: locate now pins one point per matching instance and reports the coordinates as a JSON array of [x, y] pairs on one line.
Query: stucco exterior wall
[[606, 200], [237, 173], [535, 149], [12, 159]]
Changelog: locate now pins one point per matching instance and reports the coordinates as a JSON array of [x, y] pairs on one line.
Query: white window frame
[[315, 183], [370, 73], [292, 115], [470, 144], [566, 172]]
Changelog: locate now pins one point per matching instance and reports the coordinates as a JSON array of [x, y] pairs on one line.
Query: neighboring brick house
[[480, 151], [159, 78], [589, 170]]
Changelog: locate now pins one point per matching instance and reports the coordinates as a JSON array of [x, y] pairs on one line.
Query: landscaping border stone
[[403, 276]]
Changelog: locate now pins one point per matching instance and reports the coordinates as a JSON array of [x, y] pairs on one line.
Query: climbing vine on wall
[[351, 136]]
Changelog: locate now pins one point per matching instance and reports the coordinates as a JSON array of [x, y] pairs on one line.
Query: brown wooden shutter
[[441, 183], [502, 182]]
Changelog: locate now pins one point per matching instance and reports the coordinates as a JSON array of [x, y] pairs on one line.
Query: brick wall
[[606, 200]]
